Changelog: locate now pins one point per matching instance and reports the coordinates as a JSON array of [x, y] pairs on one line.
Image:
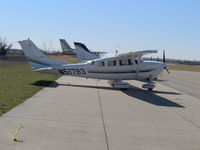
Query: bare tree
[[47, 47], [44, 46], [4, 46]]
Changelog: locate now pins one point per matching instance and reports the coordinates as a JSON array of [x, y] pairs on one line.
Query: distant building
[[15, 52]]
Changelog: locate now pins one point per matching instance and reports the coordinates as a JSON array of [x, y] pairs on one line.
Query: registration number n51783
[[72, 71]]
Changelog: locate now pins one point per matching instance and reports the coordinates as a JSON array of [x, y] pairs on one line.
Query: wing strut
[[138, 66]]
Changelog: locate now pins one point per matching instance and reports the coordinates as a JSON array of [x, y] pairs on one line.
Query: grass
[[184, 67], [17, 83], [66, 58]]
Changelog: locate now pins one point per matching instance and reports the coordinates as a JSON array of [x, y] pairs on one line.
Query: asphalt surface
[[77, 114], [185, 81]]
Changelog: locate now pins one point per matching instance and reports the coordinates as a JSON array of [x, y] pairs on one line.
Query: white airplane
[[82, 52], [66, 48], [127, 66]]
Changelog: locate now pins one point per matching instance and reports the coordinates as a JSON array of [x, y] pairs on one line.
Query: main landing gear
[[119, 84], [150, 86]]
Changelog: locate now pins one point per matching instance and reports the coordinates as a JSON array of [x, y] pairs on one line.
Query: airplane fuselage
[[101, 69]]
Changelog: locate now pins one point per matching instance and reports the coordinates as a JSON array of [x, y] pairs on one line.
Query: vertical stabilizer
[[66, 49], [83, 53]]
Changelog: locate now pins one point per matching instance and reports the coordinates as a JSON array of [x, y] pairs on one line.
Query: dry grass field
[[184, 67], [65, 58]]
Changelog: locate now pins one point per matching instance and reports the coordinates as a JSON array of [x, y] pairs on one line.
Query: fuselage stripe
[[118, 72]]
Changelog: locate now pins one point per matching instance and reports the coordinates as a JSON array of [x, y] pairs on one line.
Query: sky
[[106, 25]]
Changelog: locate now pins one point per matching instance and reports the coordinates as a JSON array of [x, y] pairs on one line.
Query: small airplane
[[82, 52], [66, 48], [127, 66]]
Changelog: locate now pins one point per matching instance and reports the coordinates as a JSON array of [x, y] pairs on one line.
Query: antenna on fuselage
[[138, 65]]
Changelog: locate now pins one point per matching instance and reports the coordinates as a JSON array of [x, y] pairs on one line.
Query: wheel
[[150, 89]]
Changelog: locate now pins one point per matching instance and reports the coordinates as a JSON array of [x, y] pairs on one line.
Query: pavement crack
[[102, 117]]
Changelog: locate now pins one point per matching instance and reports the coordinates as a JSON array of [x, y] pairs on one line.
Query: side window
[[112, 63], [101, 64], [125, 62], [129, 62], [136, 61]]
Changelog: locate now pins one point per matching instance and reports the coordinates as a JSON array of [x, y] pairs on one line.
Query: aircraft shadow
[[161, 80], [45, 83], [135, 92], [90, 86], [144, 95], [151, 97]]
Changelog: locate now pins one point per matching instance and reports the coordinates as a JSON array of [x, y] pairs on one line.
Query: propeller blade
[[167, 70], [164, 61]]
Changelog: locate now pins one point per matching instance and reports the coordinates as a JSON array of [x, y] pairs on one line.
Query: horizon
[[127, 25]]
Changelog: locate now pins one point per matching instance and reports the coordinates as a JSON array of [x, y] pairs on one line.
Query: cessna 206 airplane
[[128, 66]]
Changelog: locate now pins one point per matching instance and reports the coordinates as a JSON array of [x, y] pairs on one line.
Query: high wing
[[136, 55]]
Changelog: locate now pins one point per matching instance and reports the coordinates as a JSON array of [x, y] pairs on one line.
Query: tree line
[[4, 46]]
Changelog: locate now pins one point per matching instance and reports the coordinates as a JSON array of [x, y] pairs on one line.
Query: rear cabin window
[[136, 61], [112, 63], [101, 64], [125, 62]]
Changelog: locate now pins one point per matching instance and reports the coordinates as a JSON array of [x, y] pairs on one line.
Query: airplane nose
[[161, 65], [165, 65]]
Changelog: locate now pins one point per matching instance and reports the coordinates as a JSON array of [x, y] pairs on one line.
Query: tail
[[66, 49], [83, 53], [36, 58]]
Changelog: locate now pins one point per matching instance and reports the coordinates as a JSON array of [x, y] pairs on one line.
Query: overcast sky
[[106, 25]]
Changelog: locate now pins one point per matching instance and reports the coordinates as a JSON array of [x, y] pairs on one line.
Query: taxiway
[[78, 114]]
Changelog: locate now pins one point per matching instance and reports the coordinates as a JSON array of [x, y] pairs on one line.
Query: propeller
[[164, 61], [166, 70]]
